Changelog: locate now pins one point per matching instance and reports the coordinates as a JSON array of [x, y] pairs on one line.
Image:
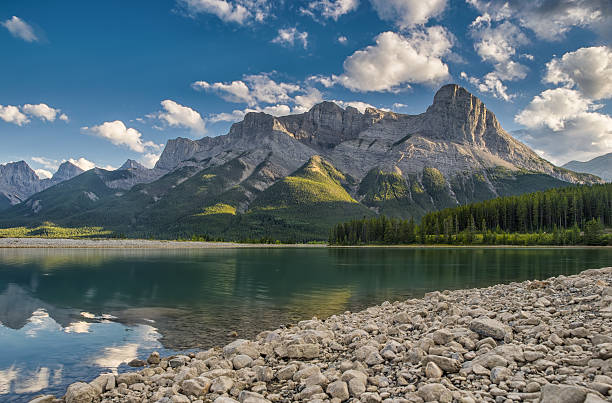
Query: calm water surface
[[71, 314]]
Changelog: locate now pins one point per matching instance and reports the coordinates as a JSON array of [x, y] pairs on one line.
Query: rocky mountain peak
[[459, 116], [131, 165], [177, 150], [17, 172], [16, 166], [327, 107], [453, 93], [256, 122], [18, 181], [67, 170], [326, 124]]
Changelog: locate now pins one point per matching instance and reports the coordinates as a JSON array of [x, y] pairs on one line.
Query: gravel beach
[[536, 341], [133, 244]]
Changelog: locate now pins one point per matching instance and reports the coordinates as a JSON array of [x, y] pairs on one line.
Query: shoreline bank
[[59, 243], [547, 341], [70, 243]]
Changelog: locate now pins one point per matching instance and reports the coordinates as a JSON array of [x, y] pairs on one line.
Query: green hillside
[[392, 195], [305, 204], [225, 202], [65, 199]]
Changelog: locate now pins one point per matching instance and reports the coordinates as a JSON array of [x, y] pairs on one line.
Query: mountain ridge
[[234, 186], [462, 117], [18, 181], [600, 166]]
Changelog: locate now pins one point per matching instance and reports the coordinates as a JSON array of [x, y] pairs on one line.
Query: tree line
[[576, 215]]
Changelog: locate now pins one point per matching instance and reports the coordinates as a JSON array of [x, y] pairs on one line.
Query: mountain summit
[[457, 133], [18, 181], [131, 165], [66, 170], [291, 177]]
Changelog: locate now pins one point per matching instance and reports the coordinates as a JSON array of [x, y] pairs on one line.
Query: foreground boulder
[[80, 392]]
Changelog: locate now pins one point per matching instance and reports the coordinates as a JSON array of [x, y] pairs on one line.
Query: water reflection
[[69, 314], [44, 355]]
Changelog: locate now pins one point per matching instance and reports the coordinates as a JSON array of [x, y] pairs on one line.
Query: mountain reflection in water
[[71, 314]]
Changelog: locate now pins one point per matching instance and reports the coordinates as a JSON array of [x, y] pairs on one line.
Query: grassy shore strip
[[134, 244], [546, 341]]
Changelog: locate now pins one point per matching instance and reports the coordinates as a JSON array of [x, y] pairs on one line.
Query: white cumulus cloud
[[12, 114], [553, 108], [304, 102], [261, 93], [43, 173], [82, 163], [397, 60], [150, 159], [234, 116], [44, 112], [236, 91], [177, 115], [588, 69], [117, 133], [19, 115], [497, 45], [301, 103], [564, 125], [359, 105], [490, 83], [549, 20], [333, 9], [252, 90], [46, 162], [289, 36], [408, 13], [235, 11], [20, 29]]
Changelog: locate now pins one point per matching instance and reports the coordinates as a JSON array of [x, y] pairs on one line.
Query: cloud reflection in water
[[44, 356]]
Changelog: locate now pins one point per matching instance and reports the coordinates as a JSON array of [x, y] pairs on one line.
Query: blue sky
[[102, 81]]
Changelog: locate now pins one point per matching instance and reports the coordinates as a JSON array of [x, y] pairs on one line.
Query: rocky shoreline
[[541, 341], [51, 243]]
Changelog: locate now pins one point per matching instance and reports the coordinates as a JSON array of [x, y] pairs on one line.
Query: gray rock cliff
[[457, 134]]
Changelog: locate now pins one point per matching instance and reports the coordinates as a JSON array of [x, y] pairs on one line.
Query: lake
[[69, 314]]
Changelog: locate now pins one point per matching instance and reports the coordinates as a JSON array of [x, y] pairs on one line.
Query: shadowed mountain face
[[18, 181], [292, 177], [66, 170], [600, 166]]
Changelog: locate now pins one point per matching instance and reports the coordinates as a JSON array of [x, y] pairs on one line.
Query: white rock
[[221, 385], [80, 392], [338, 390], [491, 328], [562, 394]]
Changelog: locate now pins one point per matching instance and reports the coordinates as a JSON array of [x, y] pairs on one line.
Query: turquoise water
[[71, 314]]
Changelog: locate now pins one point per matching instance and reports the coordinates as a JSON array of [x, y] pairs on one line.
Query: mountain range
[[600, 166], [293, 177], [18, 181]]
